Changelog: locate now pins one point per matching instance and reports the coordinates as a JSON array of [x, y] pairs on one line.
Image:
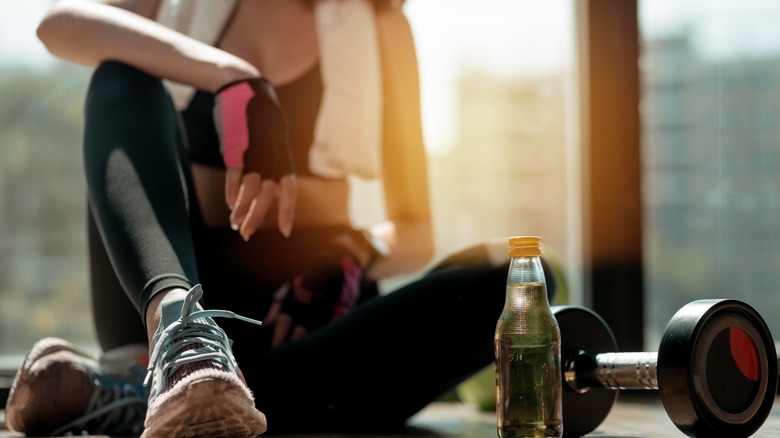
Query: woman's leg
[[116, 320], [136, 184], [138, 194], [390, 357]]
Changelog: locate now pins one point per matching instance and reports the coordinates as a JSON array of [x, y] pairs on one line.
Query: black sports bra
[[300, 100]]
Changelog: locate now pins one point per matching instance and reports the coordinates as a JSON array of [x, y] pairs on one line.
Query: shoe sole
[[14, 414], [207, 409]]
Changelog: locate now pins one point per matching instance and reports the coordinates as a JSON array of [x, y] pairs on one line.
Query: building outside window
[[711, 155]]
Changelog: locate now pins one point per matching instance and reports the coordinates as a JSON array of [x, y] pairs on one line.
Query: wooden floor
[[632, 417]]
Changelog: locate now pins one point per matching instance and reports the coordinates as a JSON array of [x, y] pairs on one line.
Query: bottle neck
[[525, 270], [526, 285]]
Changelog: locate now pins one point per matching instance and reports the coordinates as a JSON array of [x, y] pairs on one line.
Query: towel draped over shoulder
[[347, 133]]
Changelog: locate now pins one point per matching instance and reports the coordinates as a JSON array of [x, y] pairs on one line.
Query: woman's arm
[[408, 230], [90, 32]]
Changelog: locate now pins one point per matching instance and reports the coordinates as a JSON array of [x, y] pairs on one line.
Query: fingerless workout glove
[[327, 292], [252, 128]]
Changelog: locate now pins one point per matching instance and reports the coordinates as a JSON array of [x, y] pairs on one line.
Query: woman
[[322, 89]]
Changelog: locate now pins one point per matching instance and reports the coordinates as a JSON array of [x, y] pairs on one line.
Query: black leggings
[[373, 368]]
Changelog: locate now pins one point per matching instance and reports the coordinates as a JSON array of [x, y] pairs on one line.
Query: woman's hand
[[250, 197], [253, 132], [314, 299]]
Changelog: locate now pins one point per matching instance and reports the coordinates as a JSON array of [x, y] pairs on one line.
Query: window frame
[[608, 61]]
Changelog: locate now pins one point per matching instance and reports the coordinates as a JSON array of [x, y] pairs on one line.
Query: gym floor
[[636, 415]]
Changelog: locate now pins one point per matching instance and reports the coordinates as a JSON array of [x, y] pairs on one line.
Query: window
[[498, 81], [710, 225], [43, 265]]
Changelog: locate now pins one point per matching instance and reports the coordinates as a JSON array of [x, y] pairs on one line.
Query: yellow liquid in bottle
[[528, 376]]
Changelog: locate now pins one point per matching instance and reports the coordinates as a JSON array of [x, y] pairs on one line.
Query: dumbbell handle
[[611, 371]]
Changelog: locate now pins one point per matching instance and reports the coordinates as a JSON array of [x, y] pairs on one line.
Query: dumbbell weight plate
[[582, 329], [717, 369]]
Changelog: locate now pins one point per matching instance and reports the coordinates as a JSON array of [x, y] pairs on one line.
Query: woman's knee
[[130, 121], [125, 102], [486, 254], [492, 259], [118, 86]]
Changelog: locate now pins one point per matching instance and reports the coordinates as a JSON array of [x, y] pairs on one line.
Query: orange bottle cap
[[525, 246]]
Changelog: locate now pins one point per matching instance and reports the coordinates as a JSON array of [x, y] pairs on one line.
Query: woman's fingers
[[251, 197], [248, 190], [284, 329], [232, 185], [288, 194], [258, 208], [281, 329], [273, 313], [298, 332]]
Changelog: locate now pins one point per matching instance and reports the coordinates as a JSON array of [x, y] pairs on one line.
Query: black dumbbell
[[716, 369]]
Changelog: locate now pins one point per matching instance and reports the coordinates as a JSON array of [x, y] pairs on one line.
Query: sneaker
[[197, 389], [61, 389]]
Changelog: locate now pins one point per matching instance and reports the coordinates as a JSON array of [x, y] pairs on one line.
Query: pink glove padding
[[351, 289], [230, 118]]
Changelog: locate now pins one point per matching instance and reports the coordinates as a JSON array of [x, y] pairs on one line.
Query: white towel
[[347, 134]]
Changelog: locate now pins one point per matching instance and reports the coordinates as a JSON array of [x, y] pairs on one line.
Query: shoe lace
[[115, 407], [190, 339]]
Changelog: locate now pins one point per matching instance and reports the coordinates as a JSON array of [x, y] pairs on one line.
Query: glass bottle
[[527, 347]]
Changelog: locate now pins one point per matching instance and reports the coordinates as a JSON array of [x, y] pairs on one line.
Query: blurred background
[[501, 118]]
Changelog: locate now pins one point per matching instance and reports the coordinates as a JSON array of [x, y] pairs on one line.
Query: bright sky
[[499, 37], [718, 28], [18, 43]]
